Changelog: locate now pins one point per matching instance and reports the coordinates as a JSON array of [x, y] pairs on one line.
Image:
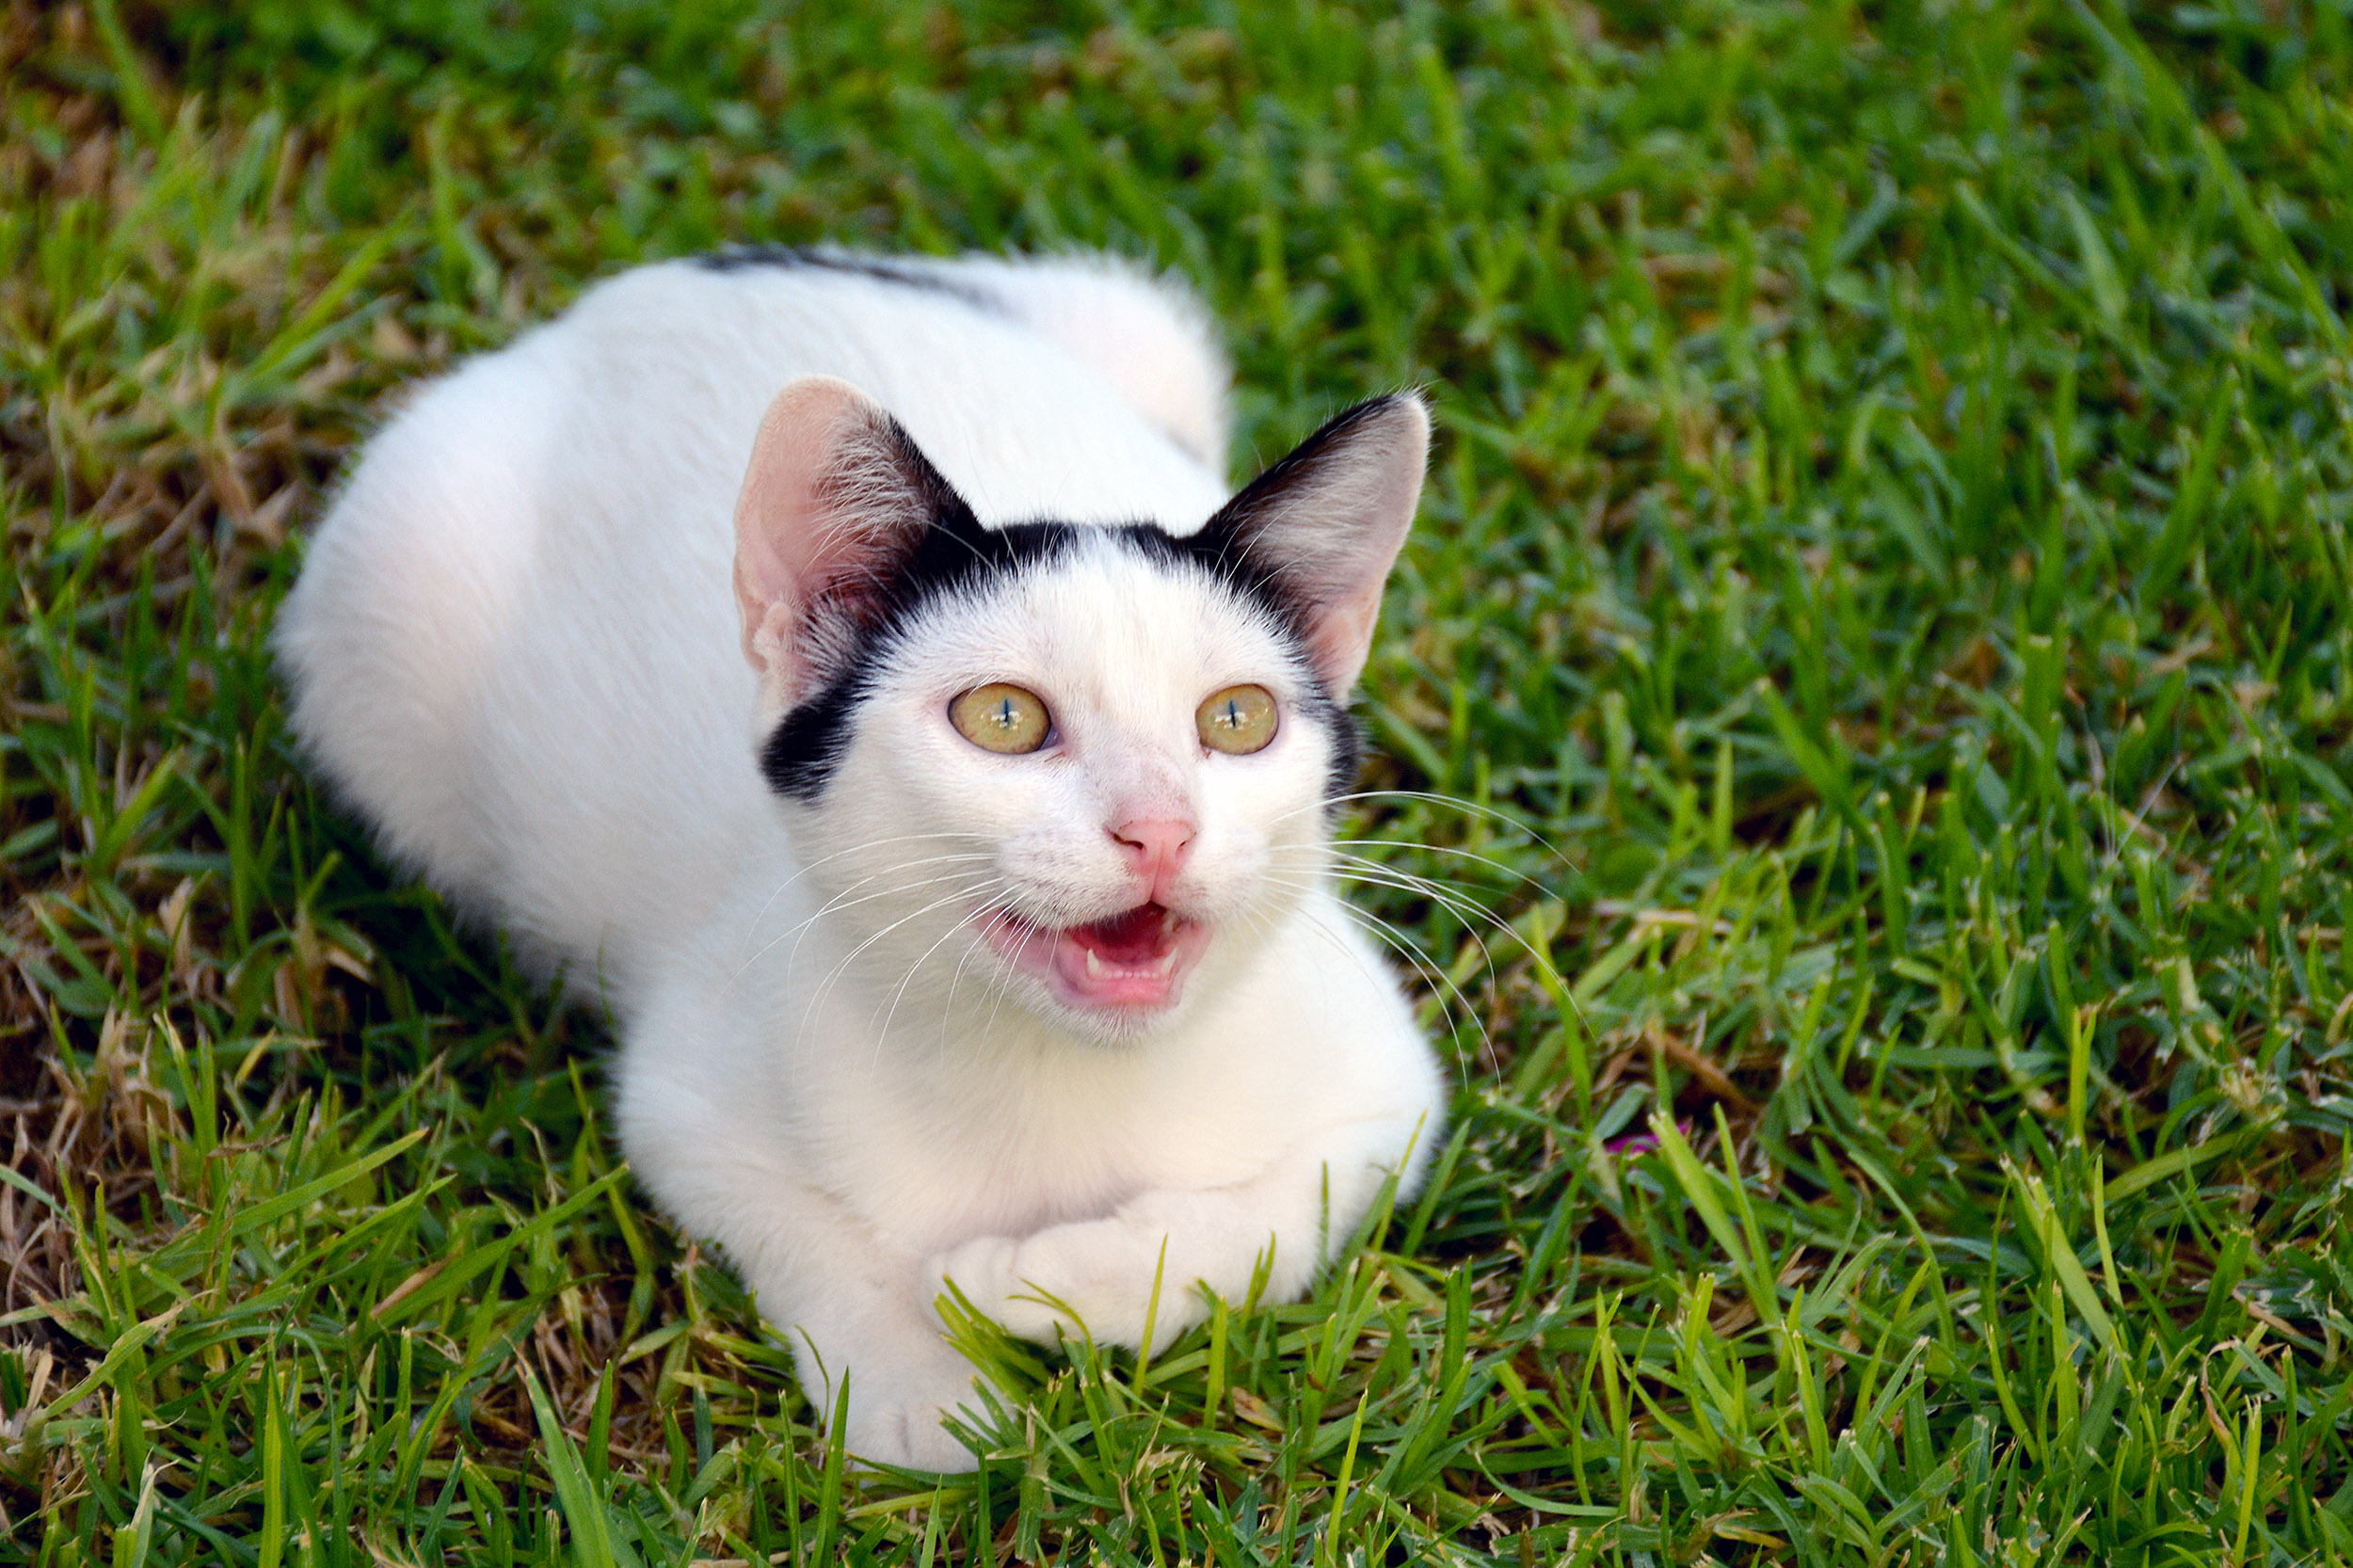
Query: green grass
[[1888, 536]]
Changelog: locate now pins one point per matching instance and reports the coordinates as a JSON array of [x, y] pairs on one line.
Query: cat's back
[[514, 647], [1029, 411]]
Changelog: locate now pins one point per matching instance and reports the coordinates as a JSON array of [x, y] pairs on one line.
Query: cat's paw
[[901, 1422], [909, 1434], [1096, 1278], [988, 1270]]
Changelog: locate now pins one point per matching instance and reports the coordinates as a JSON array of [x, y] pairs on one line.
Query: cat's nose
[[1156, 849]]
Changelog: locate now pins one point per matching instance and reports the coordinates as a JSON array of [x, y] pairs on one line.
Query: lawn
[[1866, 770]]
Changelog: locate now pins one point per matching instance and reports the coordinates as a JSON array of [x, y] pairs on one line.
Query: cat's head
[[1080, 767]]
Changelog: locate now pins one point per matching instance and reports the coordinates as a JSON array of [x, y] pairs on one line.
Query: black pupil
[[1233, 714], [1004, 712]]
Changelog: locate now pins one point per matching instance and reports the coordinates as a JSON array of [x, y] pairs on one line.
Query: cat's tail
[[1144, 333]]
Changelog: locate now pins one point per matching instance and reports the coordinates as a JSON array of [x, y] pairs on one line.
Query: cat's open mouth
[[1136, 960]]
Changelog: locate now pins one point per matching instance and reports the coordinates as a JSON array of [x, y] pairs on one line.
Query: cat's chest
[[937, 1159]]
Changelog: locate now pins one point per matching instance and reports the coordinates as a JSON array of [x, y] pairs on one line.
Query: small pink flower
[[1635, 1143]]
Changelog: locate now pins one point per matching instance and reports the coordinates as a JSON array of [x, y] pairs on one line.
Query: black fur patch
[[952, 554], [951, 551], [882, 269], [1217, 551]]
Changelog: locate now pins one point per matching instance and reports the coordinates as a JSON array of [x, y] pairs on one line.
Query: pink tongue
[[1134, 938]]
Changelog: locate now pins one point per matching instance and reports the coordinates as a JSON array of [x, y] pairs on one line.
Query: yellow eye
[[997, 717], [1239, 719]]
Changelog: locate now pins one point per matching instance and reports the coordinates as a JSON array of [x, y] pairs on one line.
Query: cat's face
[[1081, 770], [1088, 844]]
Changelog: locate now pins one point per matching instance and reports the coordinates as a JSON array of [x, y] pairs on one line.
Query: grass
[[1885, 568]]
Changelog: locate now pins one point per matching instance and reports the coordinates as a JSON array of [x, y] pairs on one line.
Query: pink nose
[[1156, 849]]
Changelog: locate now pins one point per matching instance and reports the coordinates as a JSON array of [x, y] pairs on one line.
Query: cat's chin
[[1127, 967]]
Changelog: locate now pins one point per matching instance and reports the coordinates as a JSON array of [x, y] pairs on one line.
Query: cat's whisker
[[958, 865], [1420, 961], [881, 1036], [1262, 922], [1348, 862], [1340, 863], [823, 990], [913, 969], [1415, 958], [1348, 857], [948, 1008], [967, 887], [1348, 846], [1460, 906], [842, 900], [1471, 923], [1466, 903], [752, 858], [1471, 929], [866, 848], [1429, 799], [839, 902], [896, 866], [1343, 866], [1423, 969]]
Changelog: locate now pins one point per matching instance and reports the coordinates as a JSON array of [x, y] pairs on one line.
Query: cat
[[854, 674]]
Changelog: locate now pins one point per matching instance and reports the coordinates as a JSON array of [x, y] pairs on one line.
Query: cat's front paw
[[901, 1421], [987, 1272], [1100, 1279], [909, 1434]]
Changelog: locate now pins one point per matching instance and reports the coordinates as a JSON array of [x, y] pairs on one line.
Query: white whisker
[[823, 990], [842, 900]]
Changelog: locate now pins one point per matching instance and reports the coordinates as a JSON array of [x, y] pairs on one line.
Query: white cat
[[959, 880]]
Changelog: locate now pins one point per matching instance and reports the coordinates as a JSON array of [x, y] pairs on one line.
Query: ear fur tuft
[[1326, 522], [835, 496]]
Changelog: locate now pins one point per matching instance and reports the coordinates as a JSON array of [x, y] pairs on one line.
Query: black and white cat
[[960, 880]]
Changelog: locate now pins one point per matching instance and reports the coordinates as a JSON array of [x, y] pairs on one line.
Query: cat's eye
[[997, 717], [1240, 720]]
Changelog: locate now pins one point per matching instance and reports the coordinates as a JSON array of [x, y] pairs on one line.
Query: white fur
[[1152, 345], [516, 649]]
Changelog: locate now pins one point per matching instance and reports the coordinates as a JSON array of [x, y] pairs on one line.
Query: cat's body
[[912, 1005]]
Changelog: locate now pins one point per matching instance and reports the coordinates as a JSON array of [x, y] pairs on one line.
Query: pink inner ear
[[821, 504], [1332, 524], [1341, 638]]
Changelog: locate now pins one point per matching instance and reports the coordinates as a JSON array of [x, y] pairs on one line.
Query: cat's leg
[[1102, 1271], [848, 1305]]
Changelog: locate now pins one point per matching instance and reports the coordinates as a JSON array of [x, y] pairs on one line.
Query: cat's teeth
[[1164, 964], [1094, 965]]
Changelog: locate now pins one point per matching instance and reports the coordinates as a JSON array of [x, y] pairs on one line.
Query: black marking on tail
[[880, 269]]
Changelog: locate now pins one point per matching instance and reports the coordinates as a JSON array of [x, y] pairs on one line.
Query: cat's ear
[[836, 496], [1325, 524]]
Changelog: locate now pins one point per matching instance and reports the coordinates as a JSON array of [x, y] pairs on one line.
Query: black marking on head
[[880, 269], [1234, 529], [1229, 545], [1216, 553], [956, 554], [952, 554], [1348, 748]]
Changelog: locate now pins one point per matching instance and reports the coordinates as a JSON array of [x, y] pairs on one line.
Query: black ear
[[1325, 524], [837, 497]]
